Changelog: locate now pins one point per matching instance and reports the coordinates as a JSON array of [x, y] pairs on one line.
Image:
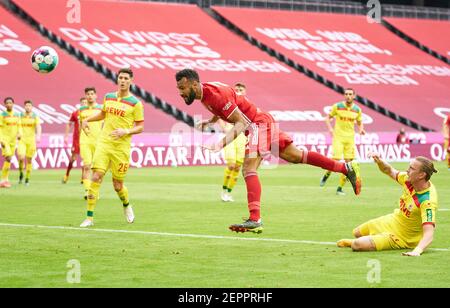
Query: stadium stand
[[428, 32], [380, 65], [156, 49]]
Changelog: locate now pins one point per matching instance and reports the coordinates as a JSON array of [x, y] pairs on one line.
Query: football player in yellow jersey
[[10, 132], [89, 136], [31, 129], [347, 113], [123, 116], [412, 225], [446, 132], [234, 154]]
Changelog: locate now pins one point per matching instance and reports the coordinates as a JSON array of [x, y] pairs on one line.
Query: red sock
[[253, 195], [318, 160], [69, 168]]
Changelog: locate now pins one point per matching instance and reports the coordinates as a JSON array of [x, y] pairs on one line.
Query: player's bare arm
[[384, 166], [67, 132], [361, 128], [201, 125], [240, 125], [427, 239], [445, 130], [38, 132], [96, 117], [328, 123], [121, 132]]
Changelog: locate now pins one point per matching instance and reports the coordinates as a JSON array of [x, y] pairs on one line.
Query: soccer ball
[[44, 59]]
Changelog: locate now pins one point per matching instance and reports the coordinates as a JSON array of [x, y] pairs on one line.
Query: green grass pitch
[[171, 203]]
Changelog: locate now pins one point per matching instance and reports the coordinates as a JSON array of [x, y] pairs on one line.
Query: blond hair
[[427, 166]]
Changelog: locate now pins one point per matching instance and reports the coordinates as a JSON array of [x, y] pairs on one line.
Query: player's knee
[[357, 245], [97, 177], [246, 172], [237, 168], [117, 186], [231, 167]]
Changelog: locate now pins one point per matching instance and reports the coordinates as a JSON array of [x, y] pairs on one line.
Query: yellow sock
[[233, 179], [342, 180], [344, 243], [226, 178], [29, 168], [5, 170], [20, 165], [93, 192], [86, 184], [123, 196]]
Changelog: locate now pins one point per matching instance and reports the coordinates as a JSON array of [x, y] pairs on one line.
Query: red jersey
[[222, 101], [76, 127], [448, 122]]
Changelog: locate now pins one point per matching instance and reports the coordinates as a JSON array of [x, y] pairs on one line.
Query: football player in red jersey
[[264, 138], [75, 140]]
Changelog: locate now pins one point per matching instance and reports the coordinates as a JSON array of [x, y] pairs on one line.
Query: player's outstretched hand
[[411, 254], [119, 133], [375, 156], [85, 126], [202, 125], [211, 147]]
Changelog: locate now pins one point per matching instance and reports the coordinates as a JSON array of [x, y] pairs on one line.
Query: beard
[[191, 98]]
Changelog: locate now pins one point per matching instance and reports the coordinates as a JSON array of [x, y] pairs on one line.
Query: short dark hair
[[125, 70], [350, 89], [187, 73], [240, 84], [9, 98], [86, 90], [28, 102]]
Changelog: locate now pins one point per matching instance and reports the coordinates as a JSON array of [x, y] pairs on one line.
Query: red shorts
[[265, 137]]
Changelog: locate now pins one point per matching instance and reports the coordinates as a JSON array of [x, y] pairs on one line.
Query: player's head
[[420, 169], [83, 101], [91, 95], [240, 88], [125, 79], [9, 103], [188, 84], [349, 95], [28, 105]]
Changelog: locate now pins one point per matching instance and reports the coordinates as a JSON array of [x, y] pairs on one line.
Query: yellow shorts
[[26, 149], [109, 156], [235, 151], [384, 232], [87, 153], [344, 147], [8, 149]]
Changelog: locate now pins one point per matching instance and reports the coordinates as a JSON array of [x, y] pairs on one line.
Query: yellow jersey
[[346, 116], [95, 128], [121, 112], [29, 122], [416, 208], [9, 126]]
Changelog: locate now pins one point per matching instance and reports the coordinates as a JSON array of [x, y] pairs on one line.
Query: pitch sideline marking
[[181, 235]]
